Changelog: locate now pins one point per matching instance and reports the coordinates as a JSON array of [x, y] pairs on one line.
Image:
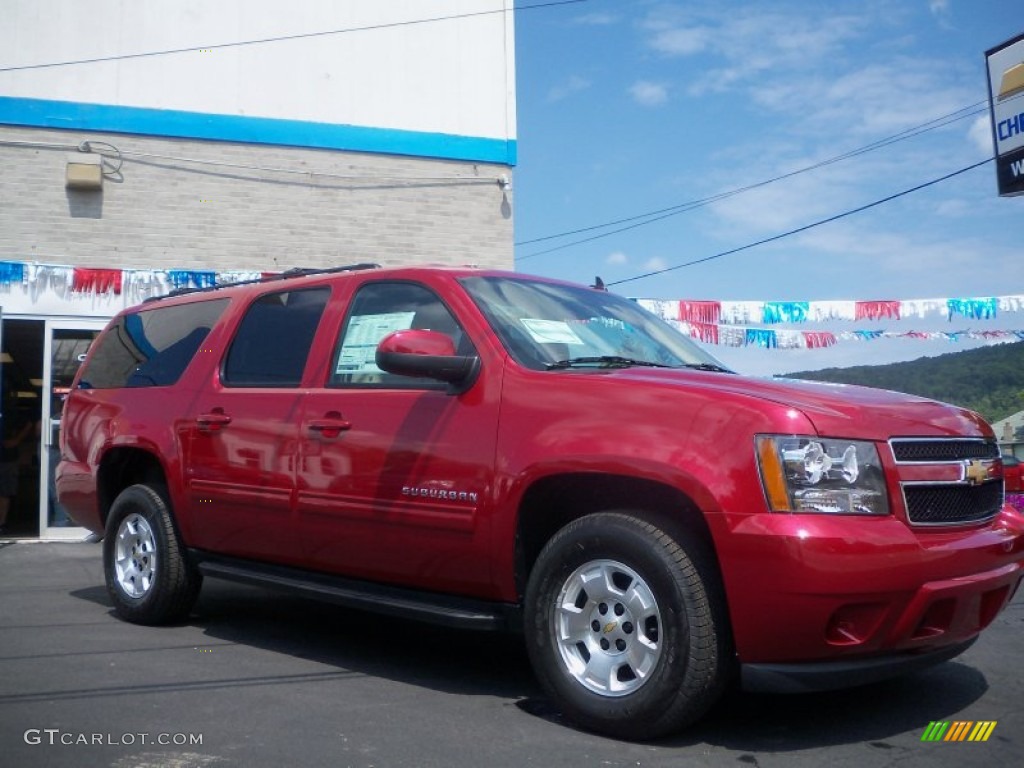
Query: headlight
[[813, 474]]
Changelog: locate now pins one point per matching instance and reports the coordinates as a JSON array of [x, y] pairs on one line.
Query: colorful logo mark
[[959, 730]]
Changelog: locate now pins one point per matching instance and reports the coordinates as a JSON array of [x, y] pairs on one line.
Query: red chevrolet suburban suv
[[496, 451]]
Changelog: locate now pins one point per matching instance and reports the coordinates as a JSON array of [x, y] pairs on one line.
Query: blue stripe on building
[[252, 130]]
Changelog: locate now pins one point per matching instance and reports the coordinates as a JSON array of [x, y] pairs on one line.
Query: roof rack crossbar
[[286, 275]]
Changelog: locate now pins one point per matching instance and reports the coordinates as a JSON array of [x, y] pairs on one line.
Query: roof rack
[[288, 274]]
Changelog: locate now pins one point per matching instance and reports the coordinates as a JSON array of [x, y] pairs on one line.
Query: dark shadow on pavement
[[490, 664], [96, 595], [763, 723], [453, 661]]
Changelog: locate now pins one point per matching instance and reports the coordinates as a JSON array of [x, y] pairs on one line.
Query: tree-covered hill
[[989, 380]]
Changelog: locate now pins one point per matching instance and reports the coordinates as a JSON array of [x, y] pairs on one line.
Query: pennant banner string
[[774, 312]]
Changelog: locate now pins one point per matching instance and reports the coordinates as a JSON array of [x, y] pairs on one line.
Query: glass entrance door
[[66, 343]]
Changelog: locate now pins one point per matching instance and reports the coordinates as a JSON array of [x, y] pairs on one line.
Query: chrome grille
[[943, 450], [952, 504], [949, 503]]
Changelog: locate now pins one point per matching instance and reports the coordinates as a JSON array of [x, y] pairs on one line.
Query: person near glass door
[[16, 429]]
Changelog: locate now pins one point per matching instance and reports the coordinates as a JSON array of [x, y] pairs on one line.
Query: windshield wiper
[[707, 367], [603, 361]]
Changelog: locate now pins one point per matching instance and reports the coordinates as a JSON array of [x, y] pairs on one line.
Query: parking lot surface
[[256, 678]]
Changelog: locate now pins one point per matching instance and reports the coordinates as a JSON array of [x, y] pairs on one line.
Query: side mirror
[[427, 354]]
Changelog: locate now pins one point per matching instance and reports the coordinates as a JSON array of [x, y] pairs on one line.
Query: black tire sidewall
[[624, 539], [156, 606]]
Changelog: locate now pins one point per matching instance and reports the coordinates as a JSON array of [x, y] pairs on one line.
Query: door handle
[[330, 426], [213, 421]]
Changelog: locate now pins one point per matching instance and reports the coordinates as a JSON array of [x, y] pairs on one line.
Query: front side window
[[382, 308], [150, 348], [274, 338], [556, 325]]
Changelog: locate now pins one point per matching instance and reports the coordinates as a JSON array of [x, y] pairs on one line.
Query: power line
[[118, 154], [374, 177], [282, 38], [805, 227], [663, 213]]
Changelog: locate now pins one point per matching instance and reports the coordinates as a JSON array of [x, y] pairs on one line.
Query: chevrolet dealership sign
[[1006, 103]]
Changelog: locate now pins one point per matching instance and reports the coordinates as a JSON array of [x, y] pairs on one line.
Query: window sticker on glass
[[362, 337], [550, 331]]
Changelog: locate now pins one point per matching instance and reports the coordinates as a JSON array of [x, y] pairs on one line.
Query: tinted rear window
[[151, 348], [274, 338]]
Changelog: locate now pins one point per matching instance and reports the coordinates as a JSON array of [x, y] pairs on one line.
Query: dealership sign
[[1006, 103]]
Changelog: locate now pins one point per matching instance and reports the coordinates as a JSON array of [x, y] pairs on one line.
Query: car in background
[[1012, 474]]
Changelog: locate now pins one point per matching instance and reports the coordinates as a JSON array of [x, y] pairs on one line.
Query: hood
[[838, 410]]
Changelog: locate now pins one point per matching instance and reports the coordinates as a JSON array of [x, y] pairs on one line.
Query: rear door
[[394, 473], [240, 441]]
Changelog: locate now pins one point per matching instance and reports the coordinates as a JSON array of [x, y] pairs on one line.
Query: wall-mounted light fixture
[[84, 171]]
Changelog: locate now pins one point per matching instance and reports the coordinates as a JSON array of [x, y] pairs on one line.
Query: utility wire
[[805, 227], [117, 154], [376, 177], [283, 38], [663, 213]]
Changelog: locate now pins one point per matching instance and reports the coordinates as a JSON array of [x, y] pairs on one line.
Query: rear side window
[[151, 348], [274, 338]]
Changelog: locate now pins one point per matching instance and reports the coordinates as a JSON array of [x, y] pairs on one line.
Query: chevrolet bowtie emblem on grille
[[610, 626], [976, 472]]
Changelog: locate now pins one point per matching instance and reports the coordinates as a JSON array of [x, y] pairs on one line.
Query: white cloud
[[980, 134], [681, 41], [596, 19], [655, 263], [833, 70], [573, 84], [795, 202], [886, 97], [753, 40], [813, 85], [886, 235], [648, 94], [941, 10], [954, 208], [903, 264], [618, 257], [806, 63]]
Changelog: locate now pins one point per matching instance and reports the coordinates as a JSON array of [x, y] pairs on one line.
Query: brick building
[[149, 146]]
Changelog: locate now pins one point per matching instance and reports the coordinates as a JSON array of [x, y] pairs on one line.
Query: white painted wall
[[453, 76]]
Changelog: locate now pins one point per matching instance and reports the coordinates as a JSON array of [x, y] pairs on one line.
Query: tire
[[148, 577], [626, 627]]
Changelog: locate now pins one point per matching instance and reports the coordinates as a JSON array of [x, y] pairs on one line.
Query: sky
[[627, 107]]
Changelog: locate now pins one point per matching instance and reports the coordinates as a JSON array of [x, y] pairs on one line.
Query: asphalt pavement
[[256, 678]]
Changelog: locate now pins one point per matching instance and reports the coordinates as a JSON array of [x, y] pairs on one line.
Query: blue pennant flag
[[977, 309], [785, 311], [11, 272], [191, 278], [759, 337], [869, 335]]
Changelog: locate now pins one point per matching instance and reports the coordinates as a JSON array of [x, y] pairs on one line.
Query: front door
[[394, 473], [65, 344]]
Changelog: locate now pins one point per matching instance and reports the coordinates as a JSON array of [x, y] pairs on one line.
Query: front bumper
[[813, 589], [832, 675]]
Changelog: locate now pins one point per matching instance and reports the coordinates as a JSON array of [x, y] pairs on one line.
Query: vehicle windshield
[[557, 326]]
